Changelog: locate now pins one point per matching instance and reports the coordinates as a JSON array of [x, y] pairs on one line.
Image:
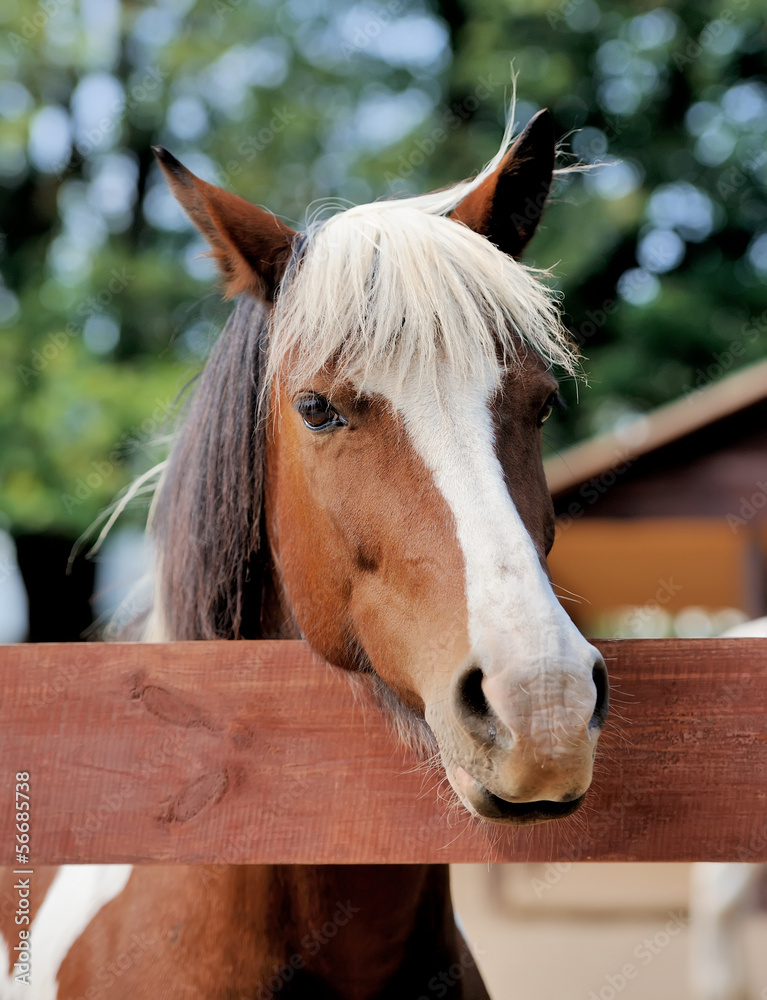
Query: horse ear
[[508, 205], [251, 246]]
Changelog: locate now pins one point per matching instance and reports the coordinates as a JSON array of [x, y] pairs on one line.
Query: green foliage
[[106, 309]]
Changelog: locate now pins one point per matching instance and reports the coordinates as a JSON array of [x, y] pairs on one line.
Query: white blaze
[[536, 663], [75, 896]]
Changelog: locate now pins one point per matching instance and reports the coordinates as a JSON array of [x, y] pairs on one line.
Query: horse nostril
[[472, 706], [601, 683], [469, 691]]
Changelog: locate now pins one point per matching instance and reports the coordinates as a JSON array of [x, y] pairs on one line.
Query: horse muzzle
[[518, 747]]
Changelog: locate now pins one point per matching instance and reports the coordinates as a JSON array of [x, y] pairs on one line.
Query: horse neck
[[358, 926], [355, 926]]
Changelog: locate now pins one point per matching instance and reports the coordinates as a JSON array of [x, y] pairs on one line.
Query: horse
[[360, 467]]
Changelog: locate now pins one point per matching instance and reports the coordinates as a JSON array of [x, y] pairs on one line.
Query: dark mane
[[207, 522]]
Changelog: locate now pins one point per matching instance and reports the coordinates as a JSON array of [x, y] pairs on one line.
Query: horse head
[[404, 375]]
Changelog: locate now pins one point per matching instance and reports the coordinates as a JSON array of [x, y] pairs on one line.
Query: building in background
[[662, 524]]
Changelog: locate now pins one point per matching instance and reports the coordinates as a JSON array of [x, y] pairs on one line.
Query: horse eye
[[318, 414], [548, 407]]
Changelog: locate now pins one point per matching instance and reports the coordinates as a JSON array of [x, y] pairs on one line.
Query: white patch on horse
[[537, 666], [75, 896]]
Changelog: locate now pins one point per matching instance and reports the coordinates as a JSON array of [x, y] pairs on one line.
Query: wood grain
[[234, 752]]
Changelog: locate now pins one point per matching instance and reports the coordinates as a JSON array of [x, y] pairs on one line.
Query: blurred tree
[[663, 251], [107, 309]]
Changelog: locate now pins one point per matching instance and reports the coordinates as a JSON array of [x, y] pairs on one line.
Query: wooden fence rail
[[247, 752]]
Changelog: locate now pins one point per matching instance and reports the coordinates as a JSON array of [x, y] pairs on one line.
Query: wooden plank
[[235, 752]]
